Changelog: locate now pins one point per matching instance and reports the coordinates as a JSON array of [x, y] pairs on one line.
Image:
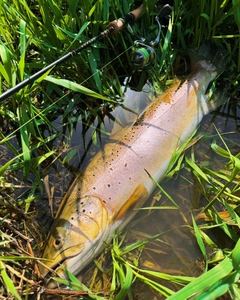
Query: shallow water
[[177, 252]]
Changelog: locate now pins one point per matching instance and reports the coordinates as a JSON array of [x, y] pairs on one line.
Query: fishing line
[[107, 64], [12, 134]]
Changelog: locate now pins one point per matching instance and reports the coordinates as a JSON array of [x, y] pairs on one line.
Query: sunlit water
[[176, 252]]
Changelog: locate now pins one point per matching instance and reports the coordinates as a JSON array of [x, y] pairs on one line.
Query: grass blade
[[8, 282], [76, 87], [205, 280]]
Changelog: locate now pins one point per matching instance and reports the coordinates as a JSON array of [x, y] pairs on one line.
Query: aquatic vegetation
[[33, 144]]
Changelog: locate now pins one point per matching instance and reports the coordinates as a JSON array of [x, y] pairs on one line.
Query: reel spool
[[143, 56]]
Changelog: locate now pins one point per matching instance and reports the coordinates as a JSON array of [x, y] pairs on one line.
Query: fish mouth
[[57, 269], [58, 265]]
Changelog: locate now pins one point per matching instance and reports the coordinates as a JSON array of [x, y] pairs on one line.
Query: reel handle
[[165, 11], [119, 24]]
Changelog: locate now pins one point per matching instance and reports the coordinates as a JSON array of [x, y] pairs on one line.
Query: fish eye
[[58, 242]]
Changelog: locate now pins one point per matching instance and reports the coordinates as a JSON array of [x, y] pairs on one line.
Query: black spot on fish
[[84, 210], [94, 188], [125, 165], [81, 203], [109, 185]]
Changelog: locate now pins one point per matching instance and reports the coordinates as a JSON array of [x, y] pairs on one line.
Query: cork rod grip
[[119, 24]]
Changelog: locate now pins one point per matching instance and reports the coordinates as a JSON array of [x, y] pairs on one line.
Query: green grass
[[34, 34]]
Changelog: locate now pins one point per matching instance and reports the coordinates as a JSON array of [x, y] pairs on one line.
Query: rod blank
[[113, 27]]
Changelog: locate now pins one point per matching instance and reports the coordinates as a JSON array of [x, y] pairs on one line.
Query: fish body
[[116, 182]]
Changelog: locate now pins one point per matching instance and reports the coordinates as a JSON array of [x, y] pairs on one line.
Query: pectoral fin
[[136, 200]]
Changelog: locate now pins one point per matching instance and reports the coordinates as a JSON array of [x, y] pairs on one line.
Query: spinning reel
[[143, 55]]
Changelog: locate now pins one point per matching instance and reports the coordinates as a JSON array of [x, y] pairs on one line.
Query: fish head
[[75, 238]]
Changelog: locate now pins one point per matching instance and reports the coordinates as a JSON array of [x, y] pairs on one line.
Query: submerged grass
[[34, 34]]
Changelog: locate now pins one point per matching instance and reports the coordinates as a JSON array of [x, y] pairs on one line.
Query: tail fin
[[217, 57]]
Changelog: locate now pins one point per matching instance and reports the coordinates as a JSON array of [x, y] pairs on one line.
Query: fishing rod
[[114, 27]]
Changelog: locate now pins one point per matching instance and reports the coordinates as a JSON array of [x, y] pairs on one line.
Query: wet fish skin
[[116, 181]]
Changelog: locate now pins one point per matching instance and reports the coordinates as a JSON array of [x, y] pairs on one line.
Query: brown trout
[[116, 182]]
